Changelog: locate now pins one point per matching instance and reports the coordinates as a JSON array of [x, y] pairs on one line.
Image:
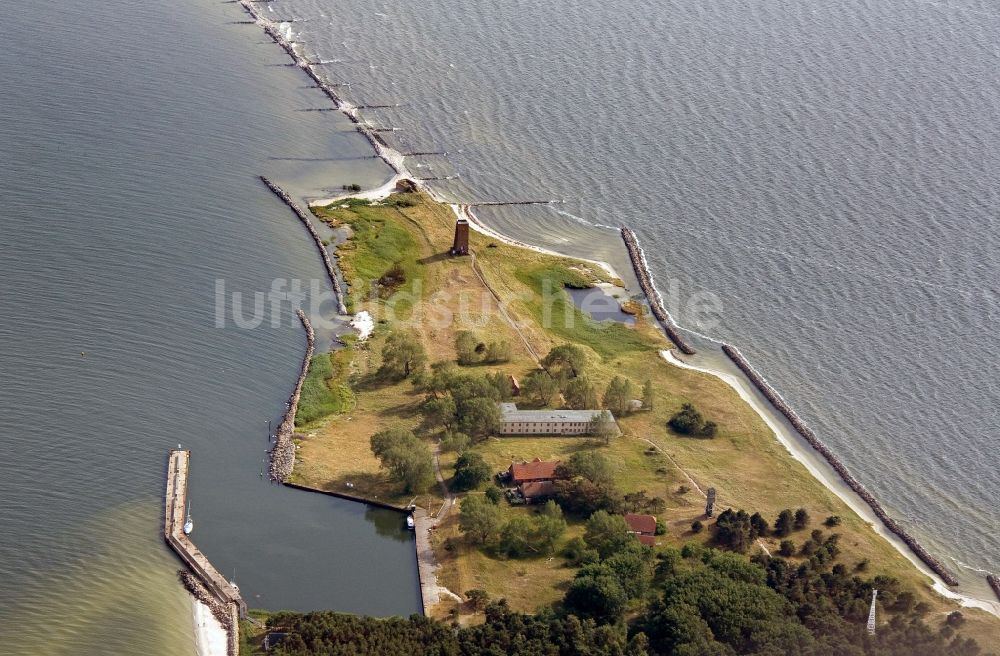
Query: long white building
[[547, 422]]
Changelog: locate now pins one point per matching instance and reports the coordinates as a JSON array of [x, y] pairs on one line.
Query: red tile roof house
[[534, 471], [642, 527], [533, 479]]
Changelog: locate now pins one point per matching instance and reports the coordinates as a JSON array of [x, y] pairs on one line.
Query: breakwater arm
[[994, 582], [205, 582], [809, 436], [646, 283], [307, 222], [283, 452]]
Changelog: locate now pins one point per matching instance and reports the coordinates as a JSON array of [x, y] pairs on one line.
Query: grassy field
[[442, 295]]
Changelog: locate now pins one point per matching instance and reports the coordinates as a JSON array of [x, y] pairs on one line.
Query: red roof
[[536, 489], [647, 540], [643, 524], [535, 470]]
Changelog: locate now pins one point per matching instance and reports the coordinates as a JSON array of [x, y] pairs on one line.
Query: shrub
[[494, 494], [787, 548], [689, 421], [831, 521], [697, 526], [783, 525]]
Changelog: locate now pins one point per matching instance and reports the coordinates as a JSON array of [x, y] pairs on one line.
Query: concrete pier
[[173, 532]]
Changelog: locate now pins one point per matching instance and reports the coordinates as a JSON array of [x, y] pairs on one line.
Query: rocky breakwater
[[338, 289], [772, 395], [283, 452], [646, 283], [994, 582]]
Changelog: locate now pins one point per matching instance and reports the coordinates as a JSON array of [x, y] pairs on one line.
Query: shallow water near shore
[[826, 170], [132, 136]]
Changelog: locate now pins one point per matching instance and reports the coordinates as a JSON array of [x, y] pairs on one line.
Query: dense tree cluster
[[697, 602], [502, 633], [481, 521], [463, 401]]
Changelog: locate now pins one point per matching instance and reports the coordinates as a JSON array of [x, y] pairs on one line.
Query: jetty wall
[[307, 222], [212, 588], [800, 426], [350, 497], [283, 451], [646, 283]]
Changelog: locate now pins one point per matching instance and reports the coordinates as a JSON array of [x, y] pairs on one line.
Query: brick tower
[[461, 246]]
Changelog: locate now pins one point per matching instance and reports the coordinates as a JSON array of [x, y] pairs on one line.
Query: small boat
[[188, 523], [409, 522]]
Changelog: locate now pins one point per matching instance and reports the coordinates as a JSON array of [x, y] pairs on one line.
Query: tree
[[477, 598], [783, 525], [733, 530], [759, 524], [801, 519], [478, 519], [582, 497], [516, 537], [467, 347], [589, 464], [470, 471], [540, 386], [480, 417], [618, 395], [631, 567], [568, 358], [402, 355], [580, 394], [603, 426], [606, 533], [686, 421], [549, 526], [439, 411], [787, 548], [407, 458], [647, 395], [596, 597], [455, 442]]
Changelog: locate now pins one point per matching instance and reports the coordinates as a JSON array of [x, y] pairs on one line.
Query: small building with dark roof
[[643, 527]]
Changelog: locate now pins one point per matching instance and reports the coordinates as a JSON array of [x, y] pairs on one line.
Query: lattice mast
[[871, 614]]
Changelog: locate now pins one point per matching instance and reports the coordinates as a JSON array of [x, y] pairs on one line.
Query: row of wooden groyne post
[[204, 581], [800, 426], [369, 133], [331, 271], [283, 451], [646, 283]]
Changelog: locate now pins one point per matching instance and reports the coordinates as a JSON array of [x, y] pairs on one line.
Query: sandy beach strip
[[816, 466], [210, 637]]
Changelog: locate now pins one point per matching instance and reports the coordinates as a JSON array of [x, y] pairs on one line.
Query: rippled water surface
[[827, 169], [131, 135]]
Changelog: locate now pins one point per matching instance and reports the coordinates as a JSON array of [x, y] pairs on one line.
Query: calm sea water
[[131, 136], [828, 170]]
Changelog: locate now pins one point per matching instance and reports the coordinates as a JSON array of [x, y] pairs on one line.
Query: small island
[[568, 479]]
